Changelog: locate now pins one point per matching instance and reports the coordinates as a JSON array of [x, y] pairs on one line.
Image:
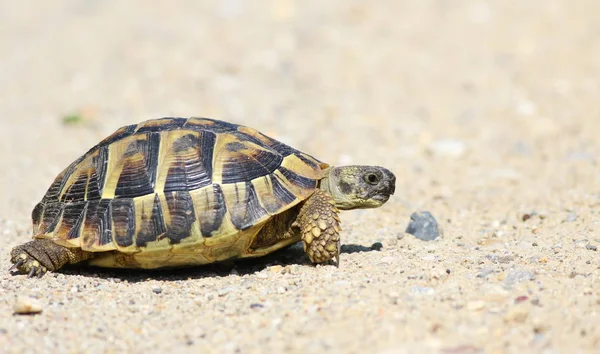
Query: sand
[[486, 111]]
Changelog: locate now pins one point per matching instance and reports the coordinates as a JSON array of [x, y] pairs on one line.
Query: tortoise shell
[[191, 187]]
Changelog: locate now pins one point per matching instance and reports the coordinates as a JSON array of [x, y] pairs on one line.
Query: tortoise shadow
[[293, 254]]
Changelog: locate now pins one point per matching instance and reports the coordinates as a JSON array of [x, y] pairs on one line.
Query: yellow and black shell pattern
[[173, 181]]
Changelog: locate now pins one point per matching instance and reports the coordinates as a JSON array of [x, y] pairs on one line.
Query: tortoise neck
[[324, 185]]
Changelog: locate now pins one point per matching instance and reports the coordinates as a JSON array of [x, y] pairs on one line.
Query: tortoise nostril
[[392, 187]]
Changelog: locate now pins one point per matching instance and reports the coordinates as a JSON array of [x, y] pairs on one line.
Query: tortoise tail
[[40, 255]]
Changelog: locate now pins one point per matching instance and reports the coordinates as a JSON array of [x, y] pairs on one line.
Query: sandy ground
[[487, 111]]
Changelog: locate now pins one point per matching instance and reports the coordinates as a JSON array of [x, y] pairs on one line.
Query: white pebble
[[27, 305], [477, 305]]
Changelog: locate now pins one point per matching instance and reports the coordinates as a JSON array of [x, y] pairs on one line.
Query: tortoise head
[[359, 187]]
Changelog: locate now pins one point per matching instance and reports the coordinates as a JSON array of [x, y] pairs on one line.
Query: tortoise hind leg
[[40, 255], [319, 226]]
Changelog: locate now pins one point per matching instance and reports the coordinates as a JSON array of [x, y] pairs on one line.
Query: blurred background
[[485, 110], [466, 101]]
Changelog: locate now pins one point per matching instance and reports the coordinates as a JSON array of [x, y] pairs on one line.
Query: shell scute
[[210, 209], [123, 222], [186, 161], [242, 161], [182, 215], [138, 167]]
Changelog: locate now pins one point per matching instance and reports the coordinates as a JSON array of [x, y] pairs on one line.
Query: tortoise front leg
[[40, 255], [319, 226]]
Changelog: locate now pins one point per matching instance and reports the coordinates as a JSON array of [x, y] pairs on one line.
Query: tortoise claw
[[37, 271], [16, 265]]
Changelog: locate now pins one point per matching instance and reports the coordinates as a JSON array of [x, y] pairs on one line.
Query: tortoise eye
[[371, 178]]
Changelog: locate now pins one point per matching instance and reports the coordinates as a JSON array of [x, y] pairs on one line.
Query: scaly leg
[[40, 255], [319, 226]]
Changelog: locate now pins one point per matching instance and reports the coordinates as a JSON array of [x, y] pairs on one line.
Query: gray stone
[[485, 272], [517, 276], [591, 247], [423, 226]]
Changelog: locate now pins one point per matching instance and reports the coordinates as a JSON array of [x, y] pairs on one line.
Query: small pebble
[[423, 226], [157, 290], [256, 306], [591, 247], [571, 217], [262, 275], [505, 259], [581, 243], [485, 272], [476, 305], [27, 306], [422, 290], [521, 299], [226, 290], [275, 269], [517, 276]]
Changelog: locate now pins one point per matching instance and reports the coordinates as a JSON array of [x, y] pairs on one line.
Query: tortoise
[[179, 192]]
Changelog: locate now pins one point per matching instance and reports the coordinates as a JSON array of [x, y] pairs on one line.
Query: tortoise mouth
[[381, 197]]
